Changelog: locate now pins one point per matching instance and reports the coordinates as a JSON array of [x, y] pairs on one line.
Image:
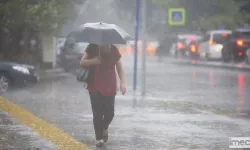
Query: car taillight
[[224, 34], [211, 42], [180, 45], [191, 38], [240, 54], [192, 48], [240, 42]]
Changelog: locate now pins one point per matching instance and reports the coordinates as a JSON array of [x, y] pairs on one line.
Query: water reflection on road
[[216, 88], [241, 84]]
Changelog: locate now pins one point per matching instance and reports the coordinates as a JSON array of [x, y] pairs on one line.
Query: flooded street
[[185, 108], [161, 74]]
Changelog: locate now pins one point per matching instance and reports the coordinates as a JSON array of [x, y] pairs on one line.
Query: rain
[[186, 66]]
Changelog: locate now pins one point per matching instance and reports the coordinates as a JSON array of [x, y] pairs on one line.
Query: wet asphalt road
[[185, 108]]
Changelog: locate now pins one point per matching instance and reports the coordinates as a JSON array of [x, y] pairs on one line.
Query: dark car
[[236, 45], [193, 49], [71, 54], [165, 45], [184, 45], [12, 73]]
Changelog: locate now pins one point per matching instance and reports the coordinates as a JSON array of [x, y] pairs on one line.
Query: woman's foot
[[99, 143], [105, 135]]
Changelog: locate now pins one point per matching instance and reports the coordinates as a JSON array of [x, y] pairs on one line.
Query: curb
[[231, 66]]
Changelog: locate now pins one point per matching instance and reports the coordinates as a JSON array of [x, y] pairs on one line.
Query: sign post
[[144, 42]]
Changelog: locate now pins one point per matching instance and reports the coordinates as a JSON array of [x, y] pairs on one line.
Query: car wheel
[[247, 57], [227, 57], [224, 59], [246, 60], [176, 54], [207, 57], [232, 58], [4, 83]]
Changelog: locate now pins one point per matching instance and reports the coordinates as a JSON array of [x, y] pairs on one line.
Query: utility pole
[[144, 42]]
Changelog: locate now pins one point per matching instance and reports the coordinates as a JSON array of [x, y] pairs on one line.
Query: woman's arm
[[86, 62], [121, 75], [120, 71]]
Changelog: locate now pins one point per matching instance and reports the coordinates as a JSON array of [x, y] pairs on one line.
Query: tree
[[208, 14], [43, 15], [23, 20]]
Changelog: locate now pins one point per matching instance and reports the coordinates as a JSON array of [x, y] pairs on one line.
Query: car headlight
[[21, 69]]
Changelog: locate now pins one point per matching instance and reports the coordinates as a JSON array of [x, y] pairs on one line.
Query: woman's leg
[[109, 110], [97, 109]]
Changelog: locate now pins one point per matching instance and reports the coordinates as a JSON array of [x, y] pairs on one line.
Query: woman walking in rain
[[103, 61]]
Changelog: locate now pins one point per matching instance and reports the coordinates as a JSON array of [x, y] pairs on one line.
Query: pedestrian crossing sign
[[176, 16]]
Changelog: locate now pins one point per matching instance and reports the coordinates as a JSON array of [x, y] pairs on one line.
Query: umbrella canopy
[[101, 33]]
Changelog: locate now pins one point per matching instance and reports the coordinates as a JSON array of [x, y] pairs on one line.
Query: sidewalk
[[16, 136]]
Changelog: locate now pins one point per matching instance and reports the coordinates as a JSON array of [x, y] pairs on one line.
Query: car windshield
[[243, 34], [187, 39], [220, 37]]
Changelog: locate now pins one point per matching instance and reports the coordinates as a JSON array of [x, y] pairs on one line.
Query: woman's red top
[[103, 76]]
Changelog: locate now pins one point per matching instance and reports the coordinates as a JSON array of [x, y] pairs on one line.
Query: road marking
[[55, 135]]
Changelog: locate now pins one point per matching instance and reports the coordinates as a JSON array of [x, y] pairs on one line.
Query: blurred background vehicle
[[16, 74], [165, 45], [71, 54], [181, 47], [247, 58], [193, 50], [151, 47], [212, 44], [236, 45]]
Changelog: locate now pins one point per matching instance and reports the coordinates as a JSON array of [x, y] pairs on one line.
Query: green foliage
[[229, 21], [208, 14], [42, 15], [24, 20]]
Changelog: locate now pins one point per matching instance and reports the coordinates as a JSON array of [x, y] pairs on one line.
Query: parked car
[[71, 54], [236, 45], [12, 74], [212, 44]]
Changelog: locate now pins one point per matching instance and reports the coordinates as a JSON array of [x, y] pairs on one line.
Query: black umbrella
[[101, 33]]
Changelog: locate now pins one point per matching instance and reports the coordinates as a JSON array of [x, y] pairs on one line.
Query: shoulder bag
[[83, 74]]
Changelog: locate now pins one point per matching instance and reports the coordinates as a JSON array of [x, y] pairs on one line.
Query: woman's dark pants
[[103, 112]]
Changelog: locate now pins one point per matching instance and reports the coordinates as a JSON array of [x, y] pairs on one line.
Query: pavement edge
[[54, 135], [240, 67]]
